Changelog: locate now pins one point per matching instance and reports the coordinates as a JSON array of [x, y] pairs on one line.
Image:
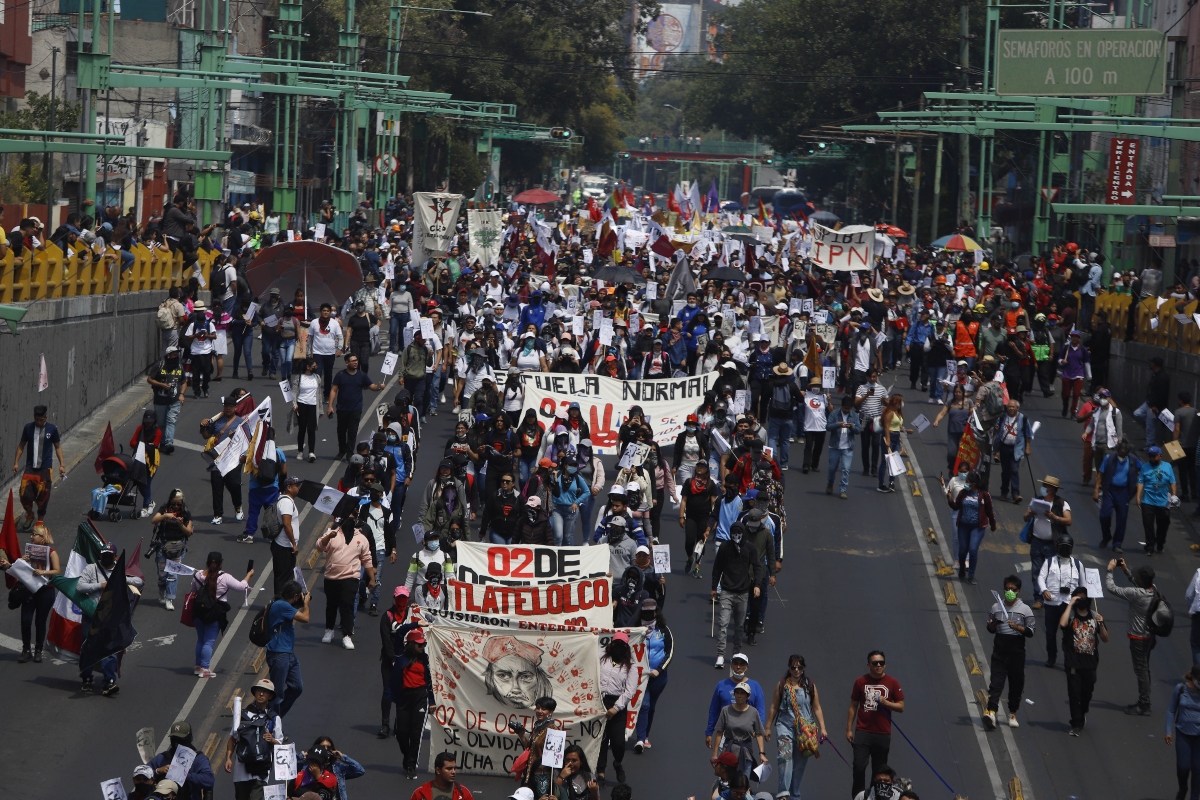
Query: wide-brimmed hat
[[907, 289], [782, 369], [1050, 480]]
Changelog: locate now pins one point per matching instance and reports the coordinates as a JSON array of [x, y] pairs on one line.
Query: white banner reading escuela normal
[[848, 248], [605, 402], [528, 565], [483, 679], [583, 603]]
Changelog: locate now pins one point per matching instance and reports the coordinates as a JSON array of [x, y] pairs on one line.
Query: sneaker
[[457, 409], [639, 747], [240, 516], [442, 397], [829, 488], [989, 720], [1012, 721], [168, 449], [646, 743], [168, 605], [1136, 710], [86, 686], [844, 496], [206, 673], [432, 413], [1118, 549], [347, 643], [783, 468], [246, 538], [197, 670], [217, 520], [720, 662], [971, 580], [37, 656], [620, 772], [328, 637], [882, 489], [1075, 731], [311, 458], [1104, 541], [373, 610], [28, 656], [110, 689], [149, 509]]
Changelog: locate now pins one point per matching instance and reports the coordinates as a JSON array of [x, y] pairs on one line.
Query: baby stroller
[[118, 489]]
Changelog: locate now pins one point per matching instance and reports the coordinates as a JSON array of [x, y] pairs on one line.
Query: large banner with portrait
[[484, 679], [605, 402]]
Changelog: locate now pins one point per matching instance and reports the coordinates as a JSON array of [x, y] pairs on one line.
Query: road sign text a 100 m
[[1093, 62]]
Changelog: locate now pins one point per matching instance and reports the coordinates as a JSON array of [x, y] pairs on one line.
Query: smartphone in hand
[[249, 565]]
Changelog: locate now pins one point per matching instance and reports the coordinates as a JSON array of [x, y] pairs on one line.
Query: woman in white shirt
[[307, 390], [325, 344], [514, 396], [528, 357]]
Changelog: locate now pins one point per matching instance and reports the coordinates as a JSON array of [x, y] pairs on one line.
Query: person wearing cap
[[431, 551], [200, 333], [618, 684], [618, 506], [472, 370], [200, 778], [445, 785], [143, 783], [1156, 495], [249, 750], [165, 790], [660, 648], [1075, 363], [91, 583], [1083, 630], [740, 730], [215, 584], [738, 572]]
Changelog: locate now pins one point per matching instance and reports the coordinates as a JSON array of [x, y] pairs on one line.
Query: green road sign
[[1089, 62]]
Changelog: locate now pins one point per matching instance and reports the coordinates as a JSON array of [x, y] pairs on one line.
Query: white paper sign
[[271, 321], [298, 576], [144, 739], [597, 319], [651, 291], [427, 328], [389, 271], [553, 747], [286, 388], [577, 326], [251, 310], [921, 423], [177, 568], [113, 789], [389, 363], [275, 791], [587, 255], [1091, 579], [741, 399], [606, 337], [828, 377], [328, 500], [418, 531], [285, 762], [1167, 418], [662, 558], [319, 231], [181, 764]]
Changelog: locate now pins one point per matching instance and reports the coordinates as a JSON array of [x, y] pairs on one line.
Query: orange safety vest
[[964, 339]]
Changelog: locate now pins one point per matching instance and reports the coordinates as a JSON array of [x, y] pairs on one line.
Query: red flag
[[107, 448], [968, 449], [672, 205], [134, 567], [608, 243], [245, 406], [663, 247], [8, 539], [594, 211]]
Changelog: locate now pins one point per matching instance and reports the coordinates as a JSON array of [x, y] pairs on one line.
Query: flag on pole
[[65, 631], [43, 376], [8, 539], [694, 201], [112, 620], [107, 448], [714, 199]]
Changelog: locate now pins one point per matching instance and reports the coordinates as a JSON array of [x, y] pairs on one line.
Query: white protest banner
[[389, 363], [285, 762], [552, 748], [528, 565], [484, 228], [584, 603], [113, 789], [181, 764], [434, 216], [177, 568], [605, 402], [662, 558], [285, 386], [849, 248]]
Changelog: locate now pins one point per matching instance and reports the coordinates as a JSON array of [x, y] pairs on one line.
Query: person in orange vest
[[965, 332]]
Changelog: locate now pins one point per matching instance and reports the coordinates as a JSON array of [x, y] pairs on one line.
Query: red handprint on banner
[[603, 435]]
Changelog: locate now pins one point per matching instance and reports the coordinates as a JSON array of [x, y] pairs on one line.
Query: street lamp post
[[681, 135]]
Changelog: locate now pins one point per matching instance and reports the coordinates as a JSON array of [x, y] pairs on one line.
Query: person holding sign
[[199, 775], [43, 563]]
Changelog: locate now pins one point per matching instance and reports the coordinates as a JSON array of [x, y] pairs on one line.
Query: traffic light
[[560, 133], [622, 155], [821, 145], [768, 160]]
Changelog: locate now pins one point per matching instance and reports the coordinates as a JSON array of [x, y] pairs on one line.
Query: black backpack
[[251, 749], [218, 285], [268, 470], [1160, 619], [259, 633], [205, 607], [781, 398]]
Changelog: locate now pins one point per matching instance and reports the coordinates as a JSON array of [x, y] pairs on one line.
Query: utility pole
[[896, 174], [48, 172], [937, 183], [916, 189], [963, 211]]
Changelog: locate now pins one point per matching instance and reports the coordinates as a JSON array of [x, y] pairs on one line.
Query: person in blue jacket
[[342, 765], [1183, 730], [535, 312], [739, 667], [568, 490], [660, 647], [199, 777]]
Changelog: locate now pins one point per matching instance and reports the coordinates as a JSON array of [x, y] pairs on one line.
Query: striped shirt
[[872, 405]]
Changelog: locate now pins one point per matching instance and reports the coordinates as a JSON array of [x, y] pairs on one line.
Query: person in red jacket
[[445, 773]]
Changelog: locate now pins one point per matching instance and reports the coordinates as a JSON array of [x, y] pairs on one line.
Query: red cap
[[728, 759], [692, 418], [416, 635]]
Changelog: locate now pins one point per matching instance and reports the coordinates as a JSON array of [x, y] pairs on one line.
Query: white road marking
[[157, 641], [231, 633], [1010, 745]]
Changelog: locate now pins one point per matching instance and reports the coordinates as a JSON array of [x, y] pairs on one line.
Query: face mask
[[741, 325], [1015, 305], [531, 514], [882, 788], [736, 538], [1010, 596], [615, 534], [434, 545], [1065, 551], [572, 470], [647, 616], [691, 304], [690, 428], [1104, 402]]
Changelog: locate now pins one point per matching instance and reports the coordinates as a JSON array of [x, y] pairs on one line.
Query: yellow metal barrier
[[53, 273]]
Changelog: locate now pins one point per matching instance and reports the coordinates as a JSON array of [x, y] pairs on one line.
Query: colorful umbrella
[[537, 197], [957, 241]]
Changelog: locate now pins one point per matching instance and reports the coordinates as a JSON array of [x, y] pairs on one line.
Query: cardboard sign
[[181, 764], [662, 558], [286, 387], [553, 747], [285, 762], [389, 363]]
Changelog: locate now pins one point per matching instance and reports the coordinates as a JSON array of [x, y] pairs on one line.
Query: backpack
[[268, 470], [259, 633], [165, 317], [1160, 619], [993, 401], [269, 521], [781, 398], [204, 606], [251, 749], [219, 286], [969, 513]]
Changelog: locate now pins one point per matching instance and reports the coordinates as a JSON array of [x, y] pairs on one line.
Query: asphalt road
[[858, 576]]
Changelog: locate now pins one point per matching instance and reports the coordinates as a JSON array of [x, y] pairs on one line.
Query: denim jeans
[[586, 509], [562, 522], [396, 333], [790, 765], [936, 376], [1142, 415], [285, 674], [166, 580], [243, 347], [259, 496], [646, 715], [287, 351], [1115, 500], [1010, 471], [526, 468], [108, 664], [167, 416], [270, 354], [436, 380], [206, 637], [969, 539], [779, 435], [840, 460], [363, 593]]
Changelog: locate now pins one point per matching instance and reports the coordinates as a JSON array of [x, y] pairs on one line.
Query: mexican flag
[[65, 632]]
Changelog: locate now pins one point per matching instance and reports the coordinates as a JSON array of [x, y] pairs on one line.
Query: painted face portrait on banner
[[514, 675]]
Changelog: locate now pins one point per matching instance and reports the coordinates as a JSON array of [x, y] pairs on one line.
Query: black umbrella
[[725, 274], [617, 275], [748, 238]]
